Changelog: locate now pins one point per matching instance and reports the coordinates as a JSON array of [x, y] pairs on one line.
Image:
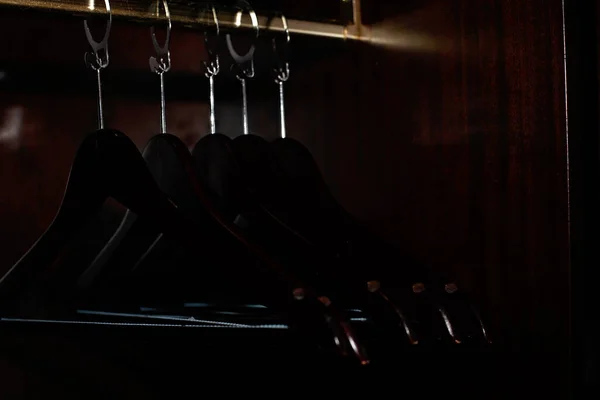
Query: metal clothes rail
[[185, 13]]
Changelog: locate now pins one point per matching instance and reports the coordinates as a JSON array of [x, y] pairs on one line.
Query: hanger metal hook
[[248, 58], [281, 52], [245, 63], [98, 59], [212, 46], [281, 69], [161, 63], [212, 66]]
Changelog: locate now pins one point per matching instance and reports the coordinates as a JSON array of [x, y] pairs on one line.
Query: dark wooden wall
[[448, 137], [459, 152]]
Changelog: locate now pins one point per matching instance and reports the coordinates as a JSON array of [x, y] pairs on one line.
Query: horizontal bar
[[184, 15]]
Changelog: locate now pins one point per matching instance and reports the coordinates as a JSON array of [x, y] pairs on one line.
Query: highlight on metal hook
[[212, 46], [98, 59], [281, 52], [281, 69], [245, 63], [247, 58], [161, 63], [212, 66]]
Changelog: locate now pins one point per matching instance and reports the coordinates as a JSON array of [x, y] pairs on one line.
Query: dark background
[[450, 139]]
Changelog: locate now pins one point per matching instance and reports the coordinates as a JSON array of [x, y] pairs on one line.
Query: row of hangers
[[233, 221]]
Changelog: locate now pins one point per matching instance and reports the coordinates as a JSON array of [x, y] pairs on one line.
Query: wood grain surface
[[448, 137]]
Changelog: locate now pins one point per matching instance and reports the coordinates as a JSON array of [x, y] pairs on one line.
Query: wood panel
[[449, 140], [460, 155]]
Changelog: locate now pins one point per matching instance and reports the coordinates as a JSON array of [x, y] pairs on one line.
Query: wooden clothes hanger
[[316, 214], [108, 164], [216, 159], [179, 162]]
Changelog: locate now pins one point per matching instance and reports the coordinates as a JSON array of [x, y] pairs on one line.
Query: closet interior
[[277, 197]]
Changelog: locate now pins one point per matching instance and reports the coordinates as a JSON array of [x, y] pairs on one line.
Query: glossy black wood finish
[[108, 164]]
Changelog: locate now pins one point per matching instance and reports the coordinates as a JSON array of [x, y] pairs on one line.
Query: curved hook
[[282, 65], [281, 69], [212, 65], [161, 63], [242, 6], [98, 58], [343, 334], [213, 49]]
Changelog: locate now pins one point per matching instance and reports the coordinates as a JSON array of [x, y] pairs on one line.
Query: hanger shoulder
[[83, 196], [217, 169], [170, 163], [261, 168], [167, 159], [299, 166], [107, 164], [296, 153], [133, 236]]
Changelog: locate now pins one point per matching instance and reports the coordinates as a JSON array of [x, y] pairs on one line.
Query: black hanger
[[252, 170], [433, 313], [139, 246], [250, 166], [212, 158], [217, 163], [319, 217], [182, 171], [136, 237], [251, 163], [108, 164], [221, 165], [217, 167], [313, 211], [310, 188]]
